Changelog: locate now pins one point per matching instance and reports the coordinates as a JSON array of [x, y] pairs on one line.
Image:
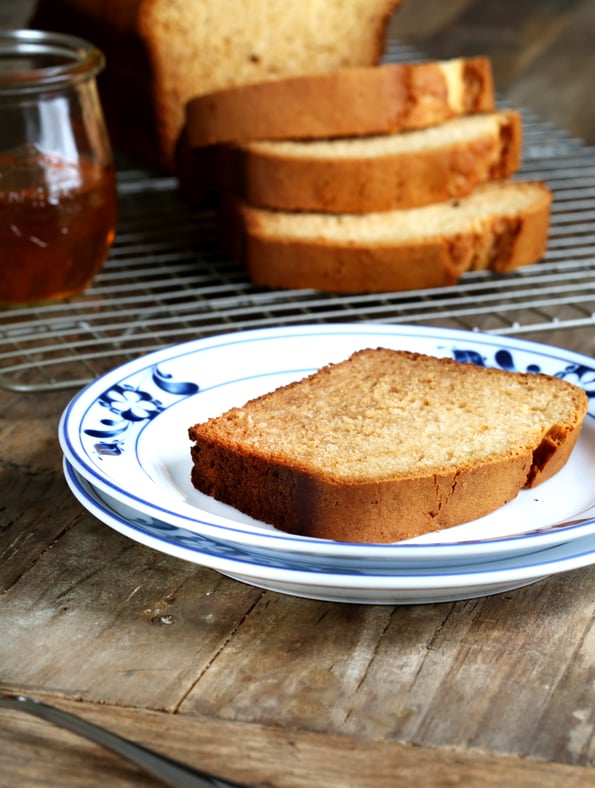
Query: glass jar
[[57, 180]]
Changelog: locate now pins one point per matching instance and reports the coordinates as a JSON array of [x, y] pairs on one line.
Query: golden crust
[[508, 240], [180, 37], [160, 53], [302, 497], [271, 178], [382, 511], [345, 103]]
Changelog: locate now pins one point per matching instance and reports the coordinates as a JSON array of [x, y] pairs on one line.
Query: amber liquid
[[57, 223]]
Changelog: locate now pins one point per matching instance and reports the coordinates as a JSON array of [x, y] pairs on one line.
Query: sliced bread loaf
[[160, 53], [344, 103], [378, 173], [388, 445], [500, 226]]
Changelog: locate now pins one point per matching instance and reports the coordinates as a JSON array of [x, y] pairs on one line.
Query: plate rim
[[228, 530], [449, 579]]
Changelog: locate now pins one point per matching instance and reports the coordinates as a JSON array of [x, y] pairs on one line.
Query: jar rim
[[80, 59]]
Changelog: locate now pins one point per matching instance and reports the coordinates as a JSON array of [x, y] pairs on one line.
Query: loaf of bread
[[347, 102], [378, 173], [388, 445], [160, 53], [500, 226]]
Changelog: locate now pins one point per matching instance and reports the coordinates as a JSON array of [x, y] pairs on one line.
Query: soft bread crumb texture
[[388, 445], [205, 46], [459, 130], [500, 226], [468, 214], [350, 423], [376, 173], [162, 53], [267, 38], [453, 72]]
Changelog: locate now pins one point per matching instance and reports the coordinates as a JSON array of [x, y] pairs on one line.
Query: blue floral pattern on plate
[[330, 578], [129, 405], [108, 430], [579, 374]]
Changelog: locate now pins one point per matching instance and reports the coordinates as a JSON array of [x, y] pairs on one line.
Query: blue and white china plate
[[362, 583], [126, 433]]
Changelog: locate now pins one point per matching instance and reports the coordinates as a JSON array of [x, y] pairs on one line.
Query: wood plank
[[34, 753], [30, 470], [557, 82], [417, 20], [257, 755], [174, 635], [391, 673], [103, 618], [278, 690], [541, 50], [377, 672], [512, 34]]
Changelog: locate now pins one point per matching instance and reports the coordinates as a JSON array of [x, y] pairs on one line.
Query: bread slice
[[499, 226], [388, 445], [348, 102], [161, 53], [379, 173]]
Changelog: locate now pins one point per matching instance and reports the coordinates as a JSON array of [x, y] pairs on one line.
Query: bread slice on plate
[[378, 173], [499, 226], [388, 445], [343, 103]]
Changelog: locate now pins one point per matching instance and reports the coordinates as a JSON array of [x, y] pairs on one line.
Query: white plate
[[363, 584], [127, 433]]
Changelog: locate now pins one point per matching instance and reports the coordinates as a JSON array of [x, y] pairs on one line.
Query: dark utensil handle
[[166, 769]]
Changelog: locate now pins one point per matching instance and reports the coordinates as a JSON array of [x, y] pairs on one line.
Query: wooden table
[[273, 690]]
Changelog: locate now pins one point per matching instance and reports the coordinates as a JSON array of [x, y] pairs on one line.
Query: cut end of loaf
[[161, 53], [201, 48], [461, 130], [346, 102], [376, 173], [388, 445], [394, 227], [500, 226]]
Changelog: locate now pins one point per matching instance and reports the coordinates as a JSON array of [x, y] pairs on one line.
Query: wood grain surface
[[273, 690], [542, 51]]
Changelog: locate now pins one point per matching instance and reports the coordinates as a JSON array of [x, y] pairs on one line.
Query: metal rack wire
[[167, 281]]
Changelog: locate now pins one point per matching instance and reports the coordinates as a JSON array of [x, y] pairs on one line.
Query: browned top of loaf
[[348, 102], [385, 414]]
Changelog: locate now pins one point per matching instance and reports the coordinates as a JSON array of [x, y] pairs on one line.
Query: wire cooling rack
[[167, 280]]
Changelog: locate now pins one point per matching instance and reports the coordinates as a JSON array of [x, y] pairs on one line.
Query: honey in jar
[[57, 181]]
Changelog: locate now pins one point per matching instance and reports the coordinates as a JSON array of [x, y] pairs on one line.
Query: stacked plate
[[127, 460]]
